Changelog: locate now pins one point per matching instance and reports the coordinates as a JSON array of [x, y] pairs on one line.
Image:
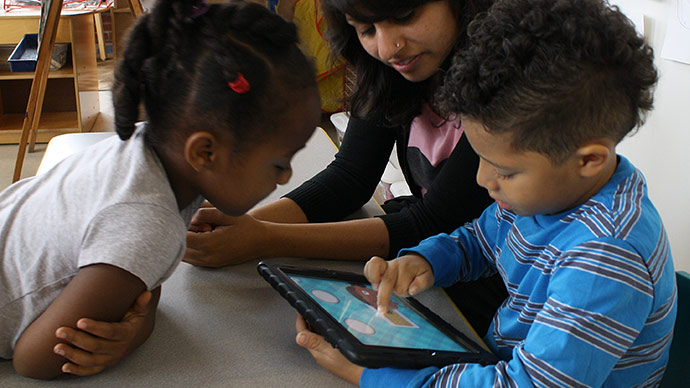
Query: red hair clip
[[240, 84]]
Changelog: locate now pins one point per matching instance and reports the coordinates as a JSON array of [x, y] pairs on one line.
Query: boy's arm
[[466, 254], [587, 323], [97, 345], [439, 260], [100, 291]]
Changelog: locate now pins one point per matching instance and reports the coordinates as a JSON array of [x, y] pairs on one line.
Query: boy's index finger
[[385, 290], [374, 270]]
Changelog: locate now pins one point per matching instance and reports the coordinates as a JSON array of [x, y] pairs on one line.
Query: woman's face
[[415, 43]]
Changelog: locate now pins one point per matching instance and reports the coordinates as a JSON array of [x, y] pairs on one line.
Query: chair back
[[677, 373]]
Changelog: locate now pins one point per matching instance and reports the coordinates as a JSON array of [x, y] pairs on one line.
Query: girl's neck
[[178, 179]]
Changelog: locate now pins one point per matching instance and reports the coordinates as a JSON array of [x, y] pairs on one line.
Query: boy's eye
[[504, 176]]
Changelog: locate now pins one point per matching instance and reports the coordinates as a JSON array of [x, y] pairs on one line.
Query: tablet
[[341, 306]]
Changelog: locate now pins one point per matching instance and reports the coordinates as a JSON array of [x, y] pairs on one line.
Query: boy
[[545, 91]]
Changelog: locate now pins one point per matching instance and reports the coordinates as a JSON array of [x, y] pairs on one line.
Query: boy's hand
[[407, 275], [98, 345], [325, 355]]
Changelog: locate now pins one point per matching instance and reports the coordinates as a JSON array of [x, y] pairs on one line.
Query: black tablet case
[[357, 352]]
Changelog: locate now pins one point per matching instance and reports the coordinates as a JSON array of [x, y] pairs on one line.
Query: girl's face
[[415, 43], [242, 179]]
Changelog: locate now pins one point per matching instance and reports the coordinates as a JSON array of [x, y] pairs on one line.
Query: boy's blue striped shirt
[[592, 296]]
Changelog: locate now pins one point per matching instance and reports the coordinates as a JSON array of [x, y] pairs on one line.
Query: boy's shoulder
[[621, 210]]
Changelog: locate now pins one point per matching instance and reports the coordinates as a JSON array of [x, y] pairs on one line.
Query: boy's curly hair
[[555, 73]]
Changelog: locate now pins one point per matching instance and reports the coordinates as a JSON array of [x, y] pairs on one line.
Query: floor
[[8, 153]]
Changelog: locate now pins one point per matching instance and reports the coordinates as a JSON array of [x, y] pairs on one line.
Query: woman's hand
[[215, 239], [407, 275], [325, 355], [98, 345]]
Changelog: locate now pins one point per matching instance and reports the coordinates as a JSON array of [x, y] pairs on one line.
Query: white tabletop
[[227, 327]]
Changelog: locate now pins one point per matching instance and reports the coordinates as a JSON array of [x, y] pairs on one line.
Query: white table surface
[[227, 327]]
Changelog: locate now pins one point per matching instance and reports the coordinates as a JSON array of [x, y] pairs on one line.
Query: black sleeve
[[350, 180], [453, 199]]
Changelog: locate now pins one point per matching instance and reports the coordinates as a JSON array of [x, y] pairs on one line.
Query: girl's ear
[[595, 156], [201, 150]]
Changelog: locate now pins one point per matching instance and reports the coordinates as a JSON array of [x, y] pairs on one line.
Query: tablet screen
[[353, 305]]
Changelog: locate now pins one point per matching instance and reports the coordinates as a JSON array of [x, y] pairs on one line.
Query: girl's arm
[[100, 291], [97, 345]]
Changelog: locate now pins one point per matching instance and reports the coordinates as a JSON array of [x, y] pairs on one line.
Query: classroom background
[[660, 148]]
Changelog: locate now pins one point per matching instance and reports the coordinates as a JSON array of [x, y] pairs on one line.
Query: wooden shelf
[[51, 124], [66, 71], [71, 101]]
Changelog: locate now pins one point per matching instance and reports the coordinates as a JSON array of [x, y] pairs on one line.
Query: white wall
[[661, 148]]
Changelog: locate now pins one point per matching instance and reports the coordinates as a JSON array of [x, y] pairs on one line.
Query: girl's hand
[[325, 355], [407, 275], [212, 239], [98, 345]]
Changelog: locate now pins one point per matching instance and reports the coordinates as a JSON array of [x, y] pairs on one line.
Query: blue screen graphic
[[354, 306]]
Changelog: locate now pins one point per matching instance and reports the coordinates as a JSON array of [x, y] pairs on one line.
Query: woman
[[399, 50]]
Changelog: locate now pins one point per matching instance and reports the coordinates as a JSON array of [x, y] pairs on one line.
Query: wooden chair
[[135, 8], [678, 370]]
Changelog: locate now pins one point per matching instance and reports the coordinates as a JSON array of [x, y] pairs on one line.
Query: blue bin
[[25, 55]]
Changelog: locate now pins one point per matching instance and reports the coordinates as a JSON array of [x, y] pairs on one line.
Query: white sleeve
[[144, 239]]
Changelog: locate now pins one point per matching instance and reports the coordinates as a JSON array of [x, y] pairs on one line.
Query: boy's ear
[[201, 150], [594, 157]]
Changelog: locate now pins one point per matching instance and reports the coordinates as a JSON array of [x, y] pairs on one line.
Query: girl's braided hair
[[181, 56]]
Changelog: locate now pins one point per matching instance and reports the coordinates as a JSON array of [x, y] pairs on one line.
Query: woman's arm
[[453, 199], [346, 240], [100, 291], [351, 178]]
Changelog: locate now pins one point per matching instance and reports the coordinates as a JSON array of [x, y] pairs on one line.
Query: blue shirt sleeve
[[466, 254], [392, 377]]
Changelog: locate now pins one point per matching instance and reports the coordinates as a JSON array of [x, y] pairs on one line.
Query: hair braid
[[183, 54], [127, 87]]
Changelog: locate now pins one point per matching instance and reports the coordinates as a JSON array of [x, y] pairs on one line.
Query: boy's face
[[524, 182]]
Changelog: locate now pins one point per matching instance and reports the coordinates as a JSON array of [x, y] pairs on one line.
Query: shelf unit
[[71, 101]]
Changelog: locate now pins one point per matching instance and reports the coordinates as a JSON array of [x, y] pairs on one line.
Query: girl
[[399, 50], [215, 81]]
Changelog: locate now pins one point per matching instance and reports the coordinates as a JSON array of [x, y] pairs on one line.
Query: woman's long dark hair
[[381, 89]]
